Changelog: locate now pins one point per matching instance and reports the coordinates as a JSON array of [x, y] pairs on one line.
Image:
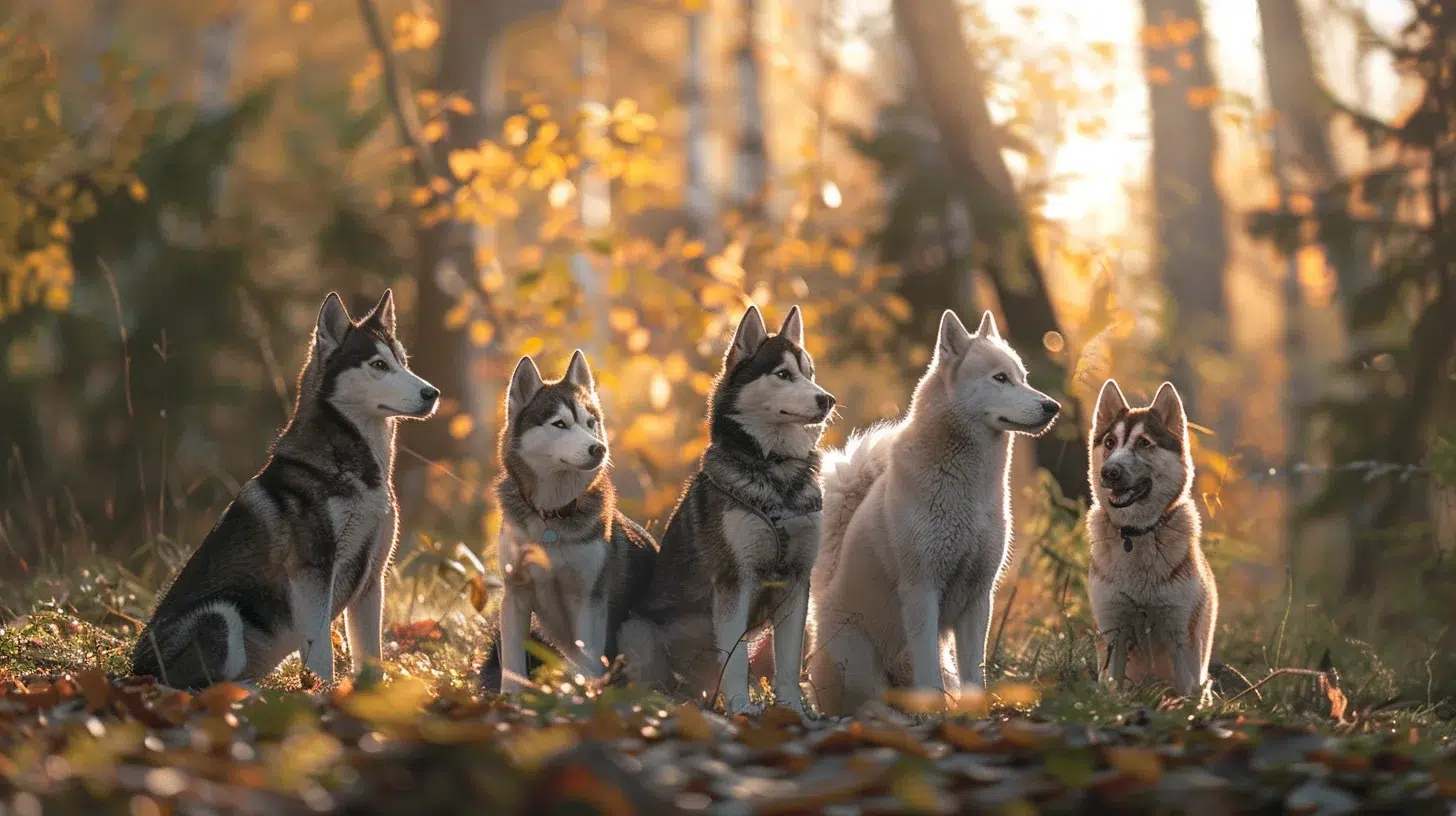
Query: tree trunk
[[954, 88], [1190, 216], [752, 165], [1302, 164], [593, 188], [699, 193]]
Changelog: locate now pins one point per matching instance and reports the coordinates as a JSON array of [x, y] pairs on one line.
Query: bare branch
[[397, 94]]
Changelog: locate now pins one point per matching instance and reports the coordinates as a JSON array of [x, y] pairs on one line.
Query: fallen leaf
[[1137, 763], [219, 697]]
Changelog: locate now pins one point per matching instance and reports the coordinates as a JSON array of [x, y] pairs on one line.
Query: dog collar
[[548, 515], [1129, 532]]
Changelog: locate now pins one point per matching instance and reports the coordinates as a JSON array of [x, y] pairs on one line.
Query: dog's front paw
[[736, 704], [790, 698]]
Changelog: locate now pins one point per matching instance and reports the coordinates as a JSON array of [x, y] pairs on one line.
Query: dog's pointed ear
[[1110, 403], [954, 339], [382, 315], [333, 322], [525, 383], [987, 329], [750, 335], [1168, 408], [793, 328], [578, 373]]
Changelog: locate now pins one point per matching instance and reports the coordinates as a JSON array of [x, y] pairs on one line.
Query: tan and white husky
[[1153, 594]]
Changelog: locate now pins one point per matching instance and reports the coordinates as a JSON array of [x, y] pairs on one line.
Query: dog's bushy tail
[[848, 475]]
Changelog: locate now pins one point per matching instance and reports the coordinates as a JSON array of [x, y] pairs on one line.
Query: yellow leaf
[[461, 425], [420, 196], [702, 383], [532, 346], [539, 111], [693, 249], [51, 101], [638, 339], [460, 105], [397, 703], [455, 317], [897, 306], [481, 333], [841, 261], [1138, 763], [301, 12], [479, 593], [718, 296], [675, 366], [428, 99], [434, 131], [1016, 695], [621, 319]]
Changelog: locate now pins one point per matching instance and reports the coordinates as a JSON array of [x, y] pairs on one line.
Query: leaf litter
[[89, 742]]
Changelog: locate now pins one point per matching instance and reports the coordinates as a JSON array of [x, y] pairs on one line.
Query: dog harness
[[1129, 532], [775, 523]]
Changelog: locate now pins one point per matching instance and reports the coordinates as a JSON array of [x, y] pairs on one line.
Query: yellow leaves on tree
[[39, 195], [415, 30]]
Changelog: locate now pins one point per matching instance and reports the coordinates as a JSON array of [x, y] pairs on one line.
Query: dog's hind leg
[[788, 651], [311, 595], [204, 648], [730, 630]]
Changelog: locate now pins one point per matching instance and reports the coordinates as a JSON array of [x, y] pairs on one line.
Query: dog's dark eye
[[1108, 442], [1145, 443], [560, 423], [1001, 378], [785, 375], [379, 365]]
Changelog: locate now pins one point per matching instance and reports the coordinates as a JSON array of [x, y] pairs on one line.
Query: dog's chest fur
[[782, 537], [946, 510], [573, 571], [1161, 576]]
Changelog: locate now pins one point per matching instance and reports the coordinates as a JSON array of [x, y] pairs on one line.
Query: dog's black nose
[[1112, 475], [1050, 407], [825, 402], [597, 451], [429, 392]]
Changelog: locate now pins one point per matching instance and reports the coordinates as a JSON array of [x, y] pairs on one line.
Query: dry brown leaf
[[692, 725], [219, 698]]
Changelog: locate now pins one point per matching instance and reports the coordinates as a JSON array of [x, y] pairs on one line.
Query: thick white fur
[[917, 528]]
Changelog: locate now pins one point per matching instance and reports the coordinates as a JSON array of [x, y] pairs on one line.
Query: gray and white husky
[[566, 553], [739, 546], [311, 534], [917, 527], [1153, 595]]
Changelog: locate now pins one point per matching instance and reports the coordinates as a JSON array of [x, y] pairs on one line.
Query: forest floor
[[76, 737]]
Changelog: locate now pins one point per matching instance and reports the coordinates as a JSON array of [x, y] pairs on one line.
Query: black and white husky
[[310, 535], [739, 547], [566, 554]]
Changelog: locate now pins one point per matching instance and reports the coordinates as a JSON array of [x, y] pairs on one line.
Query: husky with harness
[[737, 553]]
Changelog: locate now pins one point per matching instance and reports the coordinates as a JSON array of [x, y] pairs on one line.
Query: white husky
[[917, 527]]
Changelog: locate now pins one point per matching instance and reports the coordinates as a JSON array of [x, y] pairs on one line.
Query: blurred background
[[1247, 197]]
